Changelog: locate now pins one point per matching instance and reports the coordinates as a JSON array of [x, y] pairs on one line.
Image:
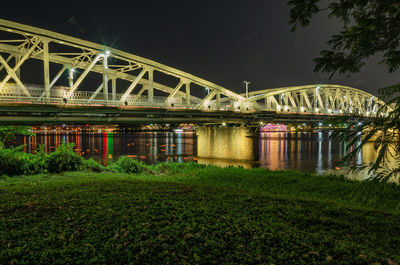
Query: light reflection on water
[[150, 147], [301, 151]]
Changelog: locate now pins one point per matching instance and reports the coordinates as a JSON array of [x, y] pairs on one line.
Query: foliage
[[128, 165], [9, 132], [122, 219], [93, 165], [369, 27], [39, 159], [64, 159], [14, 162]]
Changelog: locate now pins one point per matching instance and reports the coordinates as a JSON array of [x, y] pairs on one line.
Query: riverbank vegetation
[[175, 213]]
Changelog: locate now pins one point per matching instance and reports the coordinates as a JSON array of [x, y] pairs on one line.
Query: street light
[[247, 88]]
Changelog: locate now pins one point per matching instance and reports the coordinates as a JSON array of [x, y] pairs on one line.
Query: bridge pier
[[229, 145]]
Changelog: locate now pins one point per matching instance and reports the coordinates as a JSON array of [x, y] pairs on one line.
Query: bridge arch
[[328, 99], [72, 60]]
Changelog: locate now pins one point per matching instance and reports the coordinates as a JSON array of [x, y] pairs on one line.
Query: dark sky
[[222, 41]]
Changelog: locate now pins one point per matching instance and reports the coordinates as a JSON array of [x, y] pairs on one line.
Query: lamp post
[[247, 88]]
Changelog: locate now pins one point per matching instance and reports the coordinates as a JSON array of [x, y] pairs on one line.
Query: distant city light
[[320, 124], [273, 128]]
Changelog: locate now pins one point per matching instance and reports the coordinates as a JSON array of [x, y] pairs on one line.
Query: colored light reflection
[[273, 128]]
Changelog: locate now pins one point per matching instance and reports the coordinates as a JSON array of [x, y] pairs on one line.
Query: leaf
[[188, 236]]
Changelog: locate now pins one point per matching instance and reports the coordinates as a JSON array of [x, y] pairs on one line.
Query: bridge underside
[[58, 114]]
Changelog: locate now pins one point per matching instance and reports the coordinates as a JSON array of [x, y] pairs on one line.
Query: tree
[[9, 132], [368, 28]]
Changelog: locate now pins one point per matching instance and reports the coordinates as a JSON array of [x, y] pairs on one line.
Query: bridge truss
[[128, 81]]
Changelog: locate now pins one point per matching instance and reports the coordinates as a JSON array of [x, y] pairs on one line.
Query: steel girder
[[33, 43], [27, 42], [317, 99]]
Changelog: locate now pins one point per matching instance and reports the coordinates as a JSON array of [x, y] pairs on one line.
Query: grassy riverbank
[[189, 214]]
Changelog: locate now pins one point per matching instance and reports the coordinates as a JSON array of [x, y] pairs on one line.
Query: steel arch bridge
[[126, 81]]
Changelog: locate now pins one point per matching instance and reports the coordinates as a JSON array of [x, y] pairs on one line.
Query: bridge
[[85, 82]]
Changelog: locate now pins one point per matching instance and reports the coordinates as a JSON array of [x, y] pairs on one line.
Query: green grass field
[[185, 214]]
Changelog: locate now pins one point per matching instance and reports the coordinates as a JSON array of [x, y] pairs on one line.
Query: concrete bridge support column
[[228, 146]]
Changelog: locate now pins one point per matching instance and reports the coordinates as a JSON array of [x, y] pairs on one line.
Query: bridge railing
[[14, 94]]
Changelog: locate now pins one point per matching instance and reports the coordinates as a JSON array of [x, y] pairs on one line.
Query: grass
[[186, 214]]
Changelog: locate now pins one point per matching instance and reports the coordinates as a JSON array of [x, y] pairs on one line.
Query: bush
[[13, 162], [64, 159], [128, 165], [93, 165]]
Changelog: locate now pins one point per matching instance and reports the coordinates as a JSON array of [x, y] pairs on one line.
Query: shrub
[[128, 165], [39, 160], [93, 165], [64, 159], [14, 162]]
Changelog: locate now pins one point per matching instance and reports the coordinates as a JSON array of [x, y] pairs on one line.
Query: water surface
[[311, 152]]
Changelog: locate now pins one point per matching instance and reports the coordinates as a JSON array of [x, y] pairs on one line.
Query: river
[[312, 152]]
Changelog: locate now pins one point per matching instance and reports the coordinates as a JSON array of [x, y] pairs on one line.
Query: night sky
[[222, 41]]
